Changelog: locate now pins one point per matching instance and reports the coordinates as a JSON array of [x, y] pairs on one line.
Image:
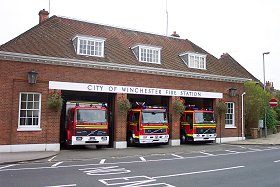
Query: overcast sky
[[243, 28]]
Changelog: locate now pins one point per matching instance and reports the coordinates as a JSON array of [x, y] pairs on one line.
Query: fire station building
[[93, 62]]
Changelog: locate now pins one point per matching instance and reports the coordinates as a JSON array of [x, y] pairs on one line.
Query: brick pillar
[[120, 124], [174, 123], [52, 130]]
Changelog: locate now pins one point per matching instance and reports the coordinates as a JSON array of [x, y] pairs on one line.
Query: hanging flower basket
[[124, 105], [221, 107], [55, 100], [179, 106]]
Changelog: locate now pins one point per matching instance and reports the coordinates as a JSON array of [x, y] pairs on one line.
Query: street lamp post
[[264, 84]]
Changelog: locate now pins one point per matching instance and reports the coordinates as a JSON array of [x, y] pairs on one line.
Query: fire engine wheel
[[131, 141], [68, 144], [99, 146], [183, 138]]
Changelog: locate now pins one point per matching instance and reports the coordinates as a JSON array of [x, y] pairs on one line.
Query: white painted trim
[[27, 58], [87, 87], [229, 139], [174, 142], [120, 144], [28, 127], [29, 147], [230, 127]]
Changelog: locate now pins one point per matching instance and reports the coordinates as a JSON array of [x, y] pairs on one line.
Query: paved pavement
[[91, 153]]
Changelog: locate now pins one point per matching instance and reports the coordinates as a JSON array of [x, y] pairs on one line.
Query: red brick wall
[[13, 77], [120, 120], [174, 127]]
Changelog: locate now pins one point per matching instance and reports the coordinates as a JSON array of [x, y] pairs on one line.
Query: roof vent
[[43, 15], [175, 34]]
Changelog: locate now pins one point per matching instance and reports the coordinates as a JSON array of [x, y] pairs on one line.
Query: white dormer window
[[90, 46], [194, 60], [145, 53]]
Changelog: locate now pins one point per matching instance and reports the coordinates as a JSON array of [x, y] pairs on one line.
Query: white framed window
[[230, 115], [29, 111], [90, 46], [149, 54], [194, 60]]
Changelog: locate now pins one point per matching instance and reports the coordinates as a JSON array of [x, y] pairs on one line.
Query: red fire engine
[[147, 125], [86, 124], [198, 125]]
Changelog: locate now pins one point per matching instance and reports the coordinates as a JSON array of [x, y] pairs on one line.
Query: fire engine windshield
[[91, 116], [204, 117], [154, 117]]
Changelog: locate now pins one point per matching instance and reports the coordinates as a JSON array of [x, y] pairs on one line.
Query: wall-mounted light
[[232, 92], [32, 77]]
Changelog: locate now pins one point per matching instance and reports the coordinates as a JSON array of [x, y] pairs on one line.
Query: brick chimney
[[43, 15], [175, 34]]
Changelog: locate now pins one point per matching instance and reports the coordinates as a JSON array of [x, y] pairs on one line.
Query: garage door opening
[[90, 132]]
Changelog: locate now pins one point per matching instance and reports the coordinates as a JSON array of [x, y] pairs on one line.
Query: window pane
[[29, 121], [30, 97], [23, 105], [30, 105], [29, 113], [35, 113], [23, 113], [36, 105], [35, 121], [22, 121], [36, 97], [23, 97]]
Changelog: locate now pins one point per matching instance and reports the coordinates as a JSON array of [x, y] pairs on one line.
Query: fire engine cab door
[[135, 119], [189, 119]]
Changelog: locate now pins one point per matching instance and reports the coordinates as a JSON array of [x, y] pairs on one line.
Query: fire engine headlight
[[103, 138], [144, 137], [79, 138]]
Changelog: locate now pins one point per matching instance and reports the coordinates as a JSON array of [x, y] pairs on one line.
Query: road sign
[[273, 102]]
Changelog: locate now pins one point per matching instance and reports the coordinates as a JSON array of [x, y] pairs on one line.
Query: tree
[[256, 103], [277, 109]]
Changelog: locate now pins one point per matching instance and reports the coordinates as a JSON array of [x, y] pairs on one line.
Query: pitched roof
[[231, 63], [53, 38]]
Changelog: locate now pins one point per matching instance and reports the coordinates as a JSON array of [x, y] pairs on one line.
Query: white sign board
[[87, 87]]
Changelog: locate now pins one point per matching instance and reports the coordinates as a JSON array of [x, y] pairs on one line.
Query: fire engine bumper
[[204, 137], [90, 140], [143, 139]]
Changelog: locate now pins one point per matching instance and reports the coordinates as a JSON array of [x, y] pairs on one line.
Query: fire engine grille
[[205, 130], [152, 131], [90, 133]]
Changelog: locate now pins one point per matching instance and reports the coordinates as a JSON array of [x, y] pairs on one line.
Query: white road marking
[[254, 149], [139, 181], [51, 158], [63, 185], [56, 164], [109, 170], [126, 162], [198, 172], [277, 161], [232, 151], [102, 161], [142, 159], [177, 156], [8, 166], [206, 153]]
